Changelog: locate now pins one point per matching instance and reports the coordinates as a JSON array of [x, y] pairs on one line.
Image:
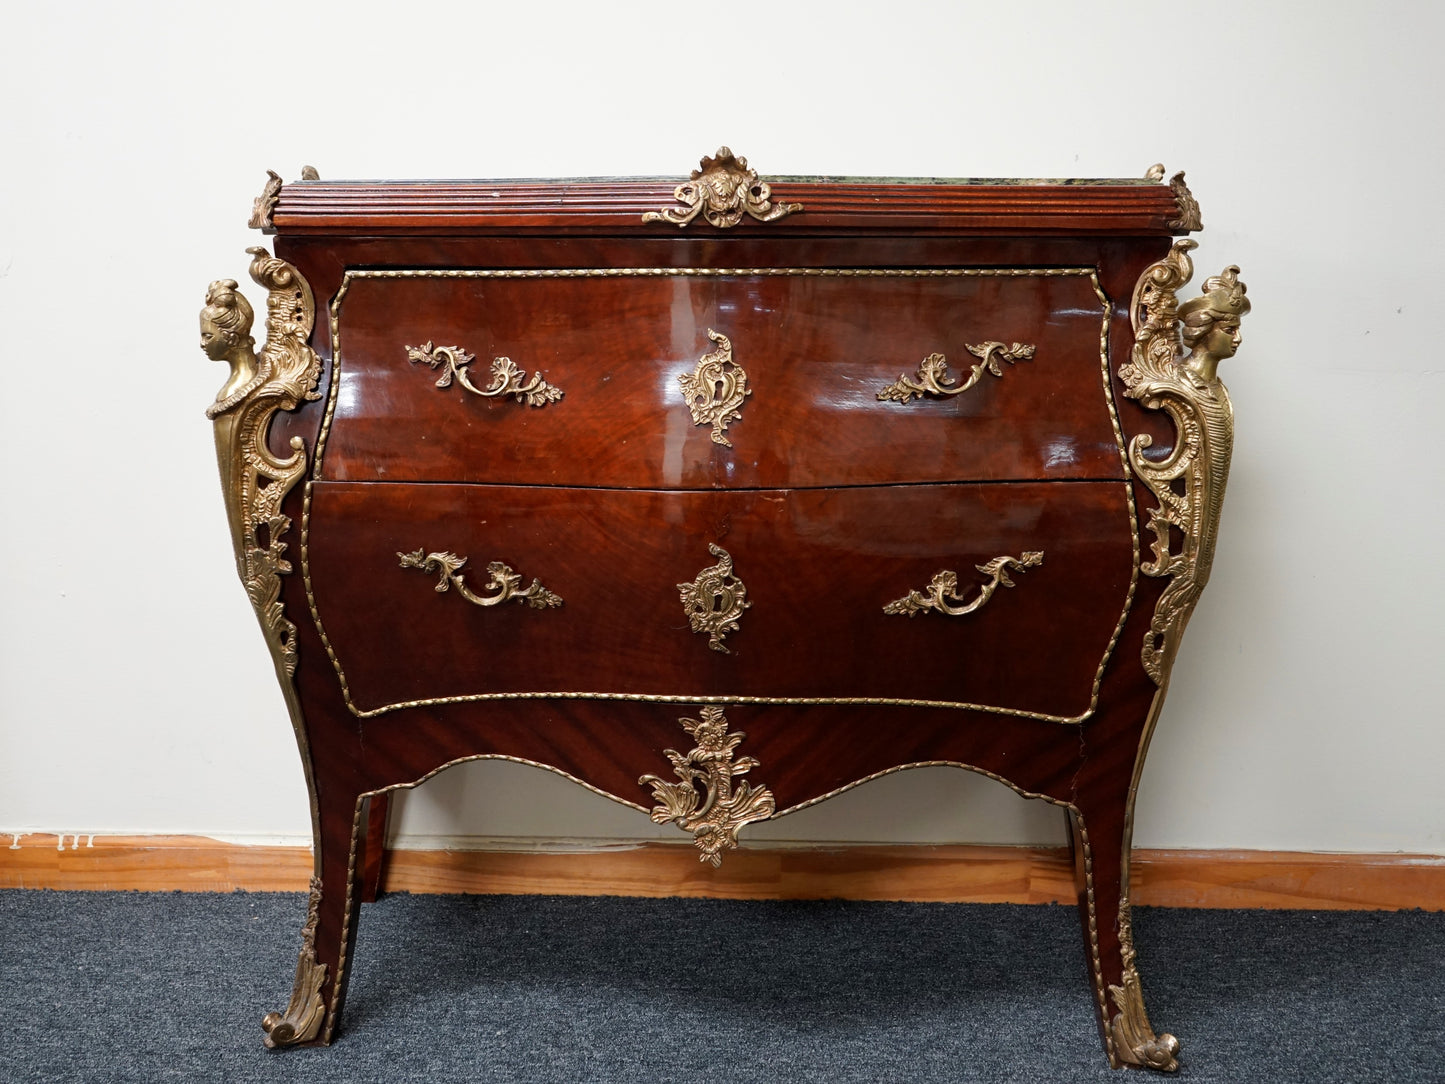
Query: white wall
[[135, 693]]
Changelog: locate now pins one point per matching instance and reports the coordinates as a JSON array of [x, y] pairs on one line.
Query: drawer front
[[788, 398], [813, 575]]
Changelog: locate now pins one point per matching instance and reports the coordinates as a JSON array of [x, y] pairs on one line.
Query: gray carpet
[[159, 987]]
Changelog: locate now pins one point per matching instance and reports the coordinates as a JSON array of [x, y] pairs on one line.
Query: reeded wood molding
[[1091, 207], [961, 874]]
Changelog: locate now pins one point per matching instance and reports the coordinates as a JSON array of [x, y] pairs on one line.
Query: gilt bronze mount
[[715, 815], [932, 377], [716, 389], [507, 377], [503, 581], [722, 189], [715, 600], [942, 592]]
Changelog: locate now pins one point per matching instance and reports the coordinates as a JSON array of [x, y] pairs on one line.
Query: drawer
[[813, 347], [819, 569]]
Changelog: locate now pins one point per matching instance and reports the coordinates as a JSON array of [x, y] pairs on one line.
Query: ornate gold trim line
[[713, 820], [341, 957], [505, 581], [507, 378], [715, 600], [933, 379], [714, 272], [1133, 511], [512, 760], [722, 189], [944, 586], [1076, 820], [696, 698], [1020, 791], [678, 272], [716, 389]]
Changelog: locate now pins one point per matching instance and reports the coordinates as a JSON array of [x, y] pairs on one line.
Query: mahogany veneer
[[830, 503]]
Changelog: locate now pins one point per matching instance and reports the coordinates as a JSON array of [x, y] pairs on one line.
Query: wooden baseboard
[[961, 874], [151, 864]]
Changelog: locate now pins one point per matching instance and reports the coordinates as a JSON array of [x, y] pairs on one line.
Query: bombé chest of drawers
[[724, 497]]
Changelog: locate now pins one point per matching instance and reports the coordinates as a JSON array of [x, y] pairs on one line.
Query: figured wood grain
[[819, 568], [1265, 880], [816, 351]]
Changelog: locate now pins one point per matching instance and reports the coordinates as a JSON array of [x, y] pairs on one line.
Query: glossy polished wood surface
[[819, 567], [816, 352]]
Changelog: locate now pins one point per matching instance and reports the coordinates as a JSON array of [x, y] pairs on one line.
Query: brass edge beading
[[1127, 843], [507, 378], [348, 896], [1173, 367], [722, 189], [1189, 216], [1134, 1038], [254, 482], [1020, 791], [933, 379], [715, 272], [1131, 509], [716, 389], [512, 760], [503, 580], [944, 586], [715, 600], [1076, 819], [714, 817], [302, 1019], [699, 698]]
